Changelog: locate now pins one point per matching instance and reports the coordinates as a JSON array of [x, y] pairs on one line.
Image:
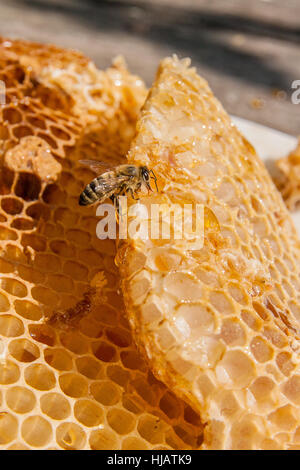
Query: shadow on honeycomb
[[81, 385]]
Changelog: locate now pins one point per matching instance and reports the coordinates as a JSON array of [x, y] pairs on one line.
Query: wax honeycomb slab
[[79, 383], [219, 325]]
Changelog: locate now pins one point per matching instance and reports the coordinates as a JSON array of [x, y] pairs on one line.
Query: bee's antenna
[[154, 178]]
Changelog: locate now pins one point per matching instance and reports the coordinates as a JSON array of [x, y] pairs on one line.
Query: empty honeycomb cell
[[222, 303], [54, 195], [59, 359], [18, 446], [105, 392], [45, 296], [73, 385], [8, 427], [23, 350], [104, 351], [4, 303], [78, 237], [150, 428], [30, 275], [118, 336], [134, 443], [36, 431], [7, 234], [37, 242], [12, 205], [10, 326], [9, 372], [90, 327], [107, 315], [27, 309], [55, 406], [21, 131], [74, 342], [47, 262], [60, 283], [132, 360], [88, 413], [284, 418], [78, 271], [89, 367], [103, 439], [70, 436], [62, 248], [20, 399], [12, 115], [120, 420], [28, 186], [36, 121], [42, 334], [21, 223], [118, 375], [251, 320], [14, 253], [6, 178], [38, 211], [169, 405], [39, 377], [90, 258]]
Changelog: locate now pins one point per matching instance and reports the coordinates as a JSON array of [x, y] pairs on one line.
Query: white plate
[[270, 145]]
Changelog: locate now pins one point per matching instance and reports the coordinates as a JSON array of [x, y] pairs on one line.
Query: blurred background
[[249, 51]]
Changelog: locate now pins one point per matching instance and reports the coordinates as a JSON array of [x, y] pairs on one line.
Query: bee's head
[[145, 174]]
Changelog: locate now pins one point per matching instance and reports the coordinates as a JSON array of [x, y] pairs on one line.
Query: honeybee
[[118, 181]]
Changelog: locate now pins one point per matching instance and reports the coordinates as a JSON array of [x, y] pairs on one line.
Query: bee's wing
[[113, 183], [96, 165]]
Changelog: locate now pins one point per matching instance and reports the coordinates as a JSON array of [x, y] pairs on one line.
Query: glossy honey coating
[[84, 385], [219, 325]]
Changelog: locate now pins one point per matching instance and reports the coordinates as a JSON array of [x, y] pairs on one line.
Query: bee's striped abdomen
[[92, 193]]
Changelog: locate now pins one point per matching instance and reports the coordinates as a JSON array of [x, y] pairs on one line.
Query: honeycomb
[[219, 325], [288, 181], [71, 376]]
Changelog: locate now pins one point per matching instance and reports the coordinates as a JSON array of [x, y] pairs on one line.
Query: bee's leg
[[154, 178], [130, 190]]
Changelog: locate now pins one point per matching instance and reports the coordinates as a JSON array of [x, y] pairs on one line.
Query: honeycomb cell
[[39, 377], [169, 405], [134, 443], [42, 334], [20, 399], [105, 392], [291, 389], [151, 429], [88, 413], [28, 186], [73, 385], [89, 367], [24, 350], [59, 359], [13, 287], [55, 406], [70, 436], [236, 368], [260, 349], [8, 427], [103, 439], [74, 342], [104, 351], [9, 372], [183, 286], [7, 234], [4, 303], [27, 309], [36, 431], [12, 205], [10, 326]]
